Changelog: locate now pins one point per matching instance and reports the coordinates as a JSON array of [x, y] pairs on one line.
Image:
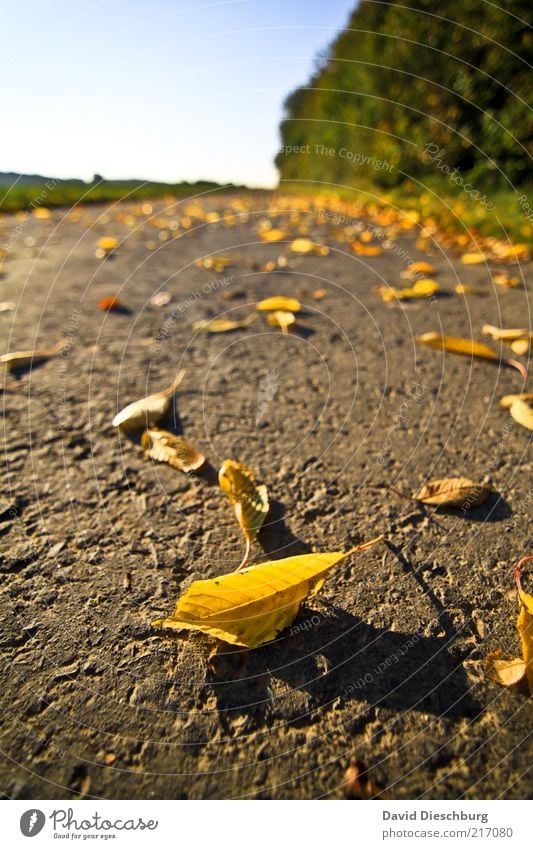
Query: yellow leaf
[[168, 448], [366, 250], [499, 334], [422, 268], [522, 412], [281, 318], [107, 243], [454, 492], [26, 359], [473, 258], [274, 235], [249, 500], [457, 345], [506, 281], [252, 607], [306, 246], [279, 303], [215, 263], [41, 212], [463, 289], [525, 622], [420, 289], [508, 400], [147, 411], [222, 325], [521, 346]]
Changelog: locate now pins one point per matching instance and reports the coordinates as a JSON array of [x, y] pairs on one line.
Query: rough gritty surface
[[98, 541]]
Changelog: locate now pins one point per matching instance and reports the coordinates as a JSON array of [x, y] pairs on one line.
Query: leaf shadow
[[494, 509], [276, 538], [337, 659]]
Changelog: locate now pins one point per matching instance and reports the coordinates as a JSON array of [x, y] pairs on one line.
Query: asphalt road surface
[[385, 663]]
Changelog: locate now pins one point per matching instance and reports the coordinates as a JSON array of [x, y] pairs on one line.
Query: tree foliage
[[411, 88]]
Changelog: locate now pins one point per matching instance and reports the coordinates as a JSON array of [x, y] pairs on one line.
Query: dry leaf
[[420, 289], [216, 263], [273, 235], [511, 672], [26, 359], [454, 492], [469, 347], [505, 672], [7, 306], [366, 250], [281, 318], [252, 607], [168, 448], [147, 411], [473, 258], [222, 325], [508, 400], [499, 334], [306, 246], [112, 302], [464, 289], [522, 412], [521, 346], [422, 268], [506, 281], [525, 623], [249, 500], [279, 303], [319, 294], [107, 244]]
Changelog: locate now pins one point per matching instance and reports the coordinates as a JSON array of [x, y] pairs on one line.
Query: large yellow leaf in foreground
[[251, 607]]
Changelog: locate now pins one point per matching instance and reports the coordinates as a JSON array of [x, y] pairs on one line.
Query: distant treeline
[[49, 192], [417, 88]]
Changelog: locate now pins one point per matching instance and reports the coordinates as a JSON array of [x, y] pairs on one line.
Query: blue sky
[[162, 90]]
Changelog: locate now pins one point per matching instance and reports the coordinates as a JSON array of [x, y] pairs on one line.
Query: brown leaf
[[454, 492], [358, 783], [165, 447]]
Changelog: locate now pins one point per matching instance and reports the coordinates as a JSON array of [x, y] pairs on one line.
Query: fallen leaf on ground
[[222, 325], [505, 672], [252, 607], [279, 303], [107, 244], [522, 412], [25, 359], [7, 306], [499, 334], [465, 289], [420, 289], [281, 318], [319, 294], [249, 500], [147, 411], [166, 447], [521, 346], [306, 246], [512, 671], [454, 492], [506, 281], [112, 302], [473, 258], [422, 268], [366, 250], [274, 235], [468, 347], [160, 299], [216, 263], [508, 400]]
